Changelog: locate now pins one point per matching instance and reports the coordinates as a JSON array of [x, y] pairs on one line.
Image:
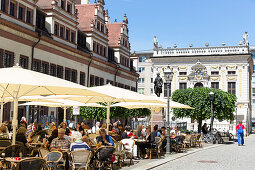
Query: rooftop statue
[[158, 84]]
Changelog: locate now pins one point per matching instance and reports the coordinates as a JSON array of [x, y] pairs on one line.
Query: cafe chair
[[104, 157], [43, 152], [80, 159], [53, 159], [119, 152], [33, 163], [156, 147], [129, 146], [4, 144]]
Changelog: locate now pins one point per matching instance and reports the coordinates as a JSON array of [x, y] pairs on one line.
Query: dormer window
[[63, 5], [69, 8]]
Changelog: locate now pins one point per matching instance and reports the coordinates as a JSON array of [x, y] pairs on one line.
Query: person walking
[[240, 133]]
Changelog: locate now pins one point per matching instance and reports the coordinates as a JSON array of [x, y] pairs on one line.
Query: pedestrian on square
[[240, 133]]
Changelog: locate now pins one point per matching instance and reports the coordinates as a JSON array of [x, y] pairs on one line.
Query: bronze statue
[[158, 84]]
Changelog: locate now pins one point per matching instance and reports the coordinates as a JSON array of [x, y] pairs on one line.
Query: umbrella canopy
[[137, 105], [16, 82], [112, 95]]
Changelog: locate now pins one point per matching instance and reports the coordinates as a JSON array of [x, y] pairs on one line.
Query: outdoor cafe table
[[13, 161], [139, 142]]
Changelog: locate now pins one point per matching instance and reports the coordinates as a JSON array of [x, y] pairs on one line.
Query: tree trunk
[[199, 124]]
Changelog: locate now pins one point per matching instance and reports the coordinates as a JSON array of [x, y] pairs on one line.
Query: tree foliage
[[120, 112], [198, 98]]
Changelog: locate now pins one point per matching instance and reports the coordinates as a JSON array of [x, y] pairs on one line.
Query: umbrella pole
[[64, 120], [108, 116], [151, 120], [2, 111], [15, 119]]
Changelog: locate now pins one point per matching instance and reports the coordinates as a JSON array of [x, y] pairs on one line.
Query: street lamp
[[168, 75], [211, 96]]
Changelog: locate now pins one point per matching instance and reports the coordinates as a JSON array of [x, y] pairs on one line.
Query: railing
[[202, 51]]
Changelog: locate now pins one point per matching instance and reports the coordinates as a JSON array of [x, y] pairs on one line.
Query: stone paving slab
[[152, 163]]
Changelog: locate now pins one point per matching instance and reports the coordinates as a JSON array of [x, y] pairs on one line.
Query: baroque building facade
[[228, 68], [68, 39]]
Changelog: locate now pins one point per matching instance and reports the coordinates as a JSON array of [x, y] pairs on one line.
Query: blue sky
[[183, 22]]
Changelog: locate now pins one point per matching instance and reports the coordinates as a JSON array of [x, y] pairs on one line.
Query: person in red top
[[240, 133]]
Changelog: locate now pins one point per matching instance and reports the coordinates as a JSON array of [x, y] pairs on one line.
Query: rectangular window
[[141, 80], [21, 13], [101, 81], [253, 92], [28, 17], [8, 59], [3, 5], [67, 34], [109, 81], [152, 80], [151, 69], [60, 71], [52, 69], [140, 90], [74, 76], [182, 73], [142, 59], [127, 87], [69, 8], [215, 85], [63, 5], [37, 65], [214, 73], [45, 67], [232, 87], [253, 101], [231, 72], [151, 90], [97, 81], [23, 62], [133, 89], [183, 86], [62, 32], [72, 37], [67, 74], [141, 69], [82, 78], [56, 28], [12, 9], [165, 90], [92, 80]]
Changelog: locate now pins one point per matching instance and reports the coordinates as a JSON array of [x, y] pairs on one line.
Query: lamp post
[[211, 96], [168, 75]]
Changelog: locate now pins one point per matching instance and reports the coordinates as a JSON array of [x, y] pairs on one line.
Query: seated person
[[139, 133], [60, 143], [143, 146], [175, 131], [205, 129], [67, 131], [3, 132], [50, 139], [21, 136], [155, 133], [104, 139], [79, 144]]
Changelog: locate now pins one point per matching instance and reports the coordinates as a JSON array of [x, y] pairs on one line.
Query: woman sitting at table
[[50, 139], [3, 132], [21, 136], [147, 143], [104, 139]]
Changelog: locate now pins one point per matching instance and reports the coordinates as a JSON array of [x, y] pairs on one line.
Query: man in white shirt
[[96, 127]]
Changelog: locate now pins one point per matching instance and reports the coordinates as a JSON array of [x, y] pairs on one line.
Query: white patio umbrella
[[112, 95], [151, 106], [16, 82], [61, 103]]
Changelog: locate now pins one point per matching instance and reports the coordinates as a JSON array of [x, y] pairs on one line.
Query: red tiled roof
[[44, 3], [86, 14], [114, 33]]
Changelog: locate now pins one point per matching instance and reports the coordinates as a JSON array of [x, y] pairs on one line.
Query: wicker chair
[[52, 159], [80, 159], [35, 139], [129, 146], [11, 151], [120, 152], [187, 140], [198, 141], [43, 152], [34, 163], [180, 145], [103, 156], [156, 147], [4, 144]]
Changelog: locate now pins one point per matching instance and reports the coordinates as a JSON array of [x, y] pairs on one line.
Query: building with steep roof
[[67, 39]]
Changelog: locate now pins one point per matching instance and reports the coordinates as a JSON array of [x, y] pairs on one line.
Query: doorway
[[197, 85]]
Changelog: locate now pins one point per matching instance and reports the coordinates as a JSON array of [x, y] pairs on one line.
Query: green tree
[[198, 98], [120, 112]]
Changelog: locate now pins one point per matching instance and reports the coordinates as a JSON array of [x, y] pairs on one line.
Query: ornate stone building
[[228, 68]]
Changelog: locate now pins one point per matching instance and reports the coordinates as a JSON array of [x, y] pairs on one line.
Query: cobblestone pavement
[[225, 157]]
